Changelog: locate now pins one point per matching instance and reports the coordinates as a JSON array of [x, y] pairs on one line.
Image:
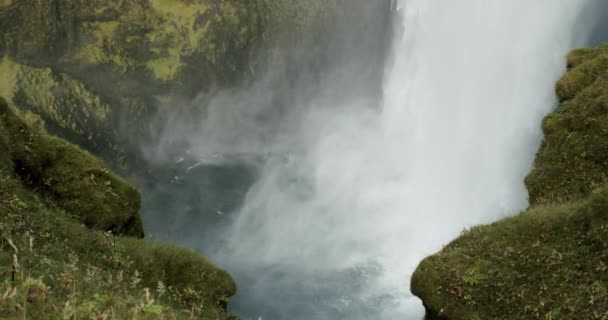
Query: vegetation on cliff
[[96, 72], [573, 160], [76, 181], [550, 262], [52, 266]]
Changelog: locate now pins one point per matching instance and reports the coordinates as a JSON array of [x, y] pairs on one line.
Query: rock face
[[549, 262], [573, 160], [97, 71]]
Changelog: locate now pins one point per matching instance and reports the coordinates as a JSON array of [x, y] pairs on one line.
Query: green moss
[[9, 73], [582, 75], [547, 263], [551, 261], [54, 267], [181, 268], [96, 71], [74, 179], [92, 51], [59, 98], [164, 68], [573, 159], [49, 100], [6, 162], [132, 35], [85, 274]]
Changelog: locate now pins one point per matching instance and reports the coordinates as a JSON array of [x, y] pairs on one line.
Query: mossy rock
[[153, 35], [550, 262], [76, 181], [98, 71], [196, 281], [68, 270], [573, 159], [59, 268], [181, 268]]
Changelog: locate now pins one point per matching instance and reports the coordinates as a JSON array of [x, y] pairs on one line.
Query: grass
[[52, 266], [551, 261], [164, 68], [573, 159], [9, 73], [73, 179]]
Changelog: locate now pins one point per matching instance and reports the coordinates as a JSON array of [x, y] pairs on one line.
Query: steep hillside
[[550, 262], [97, 72], [573, 160], [53, 266]]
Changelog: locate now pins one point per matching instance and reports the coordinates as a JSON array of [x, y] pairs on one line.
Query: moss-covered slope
[[161, 37], [97, 71], [54, 267], [550, 262], [73, 179], [573, 159]]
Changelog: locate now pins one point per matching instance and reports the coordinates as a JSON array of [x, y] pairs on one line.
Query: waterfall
[[354, 191]]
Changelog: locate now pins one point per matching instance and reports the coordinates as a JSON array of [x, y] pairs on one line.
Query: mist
[[324, 182]]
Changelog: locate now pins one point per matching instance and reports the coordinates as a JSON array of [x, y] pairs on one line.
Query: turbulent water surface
[[322, 204]]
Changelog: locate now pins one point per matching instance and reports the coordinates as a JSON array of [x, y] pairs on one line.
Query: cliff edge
[[551, 261]]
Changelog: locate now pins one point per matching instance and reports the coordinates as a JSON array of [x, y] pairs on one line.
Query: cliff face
[[549, 262], [97, 71], [573, 160], [50, 192], [94, 70]]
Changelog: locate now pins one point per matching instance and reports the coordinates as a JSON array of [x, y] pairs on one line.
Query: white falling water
[[370, 191]]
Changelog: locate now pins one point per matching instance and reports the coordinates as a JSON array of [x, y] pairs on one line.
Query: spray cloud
[[355, 182]]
